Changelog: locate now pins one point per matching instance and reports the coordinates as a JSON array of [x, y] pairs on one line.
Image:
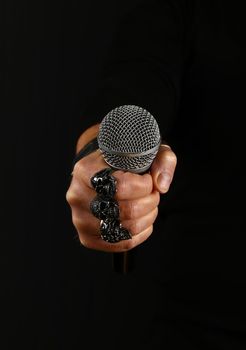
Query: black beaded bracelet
[[86, 150]]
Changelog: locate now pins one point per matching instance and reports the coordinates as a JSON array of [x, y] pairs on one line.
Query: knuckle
[[122, 188], [134, 226], [127, 176], [78, 167], [148, 183], [171, 157], [71, 197], [125, 184], [78, 223], [131, 211]]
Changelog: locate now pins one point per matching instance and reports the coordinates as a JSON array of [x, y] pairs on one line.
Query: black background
[[187, 288], [53, 53]]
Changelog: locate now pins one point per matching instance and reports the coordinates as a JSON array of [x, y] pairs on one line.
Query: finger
[[132, 186], [79, 195], [85, 223], [162, 169], [136, 208], [89, 166], [141, 224], [129, 185]]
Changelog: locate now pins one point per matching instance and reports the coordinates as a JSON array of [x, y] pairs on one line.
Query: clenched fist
[[137, 195]]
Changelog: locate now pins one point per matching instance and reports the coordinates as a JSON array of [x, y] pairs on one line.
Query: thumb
[[162, 168]]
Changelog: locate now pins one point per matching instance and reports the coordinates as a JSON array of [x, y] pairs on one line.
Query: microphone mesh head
[[129, 138]]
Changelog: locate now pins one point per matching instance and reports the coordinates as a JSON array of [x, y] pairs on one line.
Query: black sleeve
[[146, 62]]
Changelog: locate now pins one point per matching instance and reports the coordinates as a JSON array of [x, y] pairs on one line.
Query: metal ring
[[113, 232], [104, 183], [103, 208], [106, 208]]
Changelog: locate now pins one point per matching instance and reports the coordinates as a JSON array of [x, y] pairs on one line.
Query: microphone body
[[129, 139]]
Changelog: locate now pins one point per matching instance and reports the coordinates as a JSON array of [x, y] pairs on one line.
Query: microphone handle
[[123, 262]]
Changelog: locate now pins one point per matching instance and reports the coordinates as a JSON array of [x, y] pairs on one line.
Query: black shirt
[[184, 61]]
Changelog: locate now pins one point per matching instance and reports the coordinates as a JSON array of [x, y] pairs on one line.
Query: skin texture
[[138, 196]]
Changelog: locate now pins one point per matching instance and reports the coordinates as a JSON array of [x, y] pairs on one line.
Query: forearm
[[87, 136]]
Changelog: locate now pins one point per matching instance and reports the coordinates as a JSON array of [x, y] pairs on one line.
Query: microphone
[[129, 139]]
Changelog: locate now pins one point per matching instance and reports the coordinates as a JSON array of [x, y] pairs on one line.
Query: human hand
[[137, 195]]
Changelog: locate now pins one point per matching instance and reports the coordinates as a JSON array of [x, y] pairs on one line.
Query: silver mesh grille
[[129, 138]]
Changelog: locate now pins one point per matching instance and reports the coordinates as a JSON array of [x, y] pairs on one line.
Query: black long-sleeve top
[[184, 61]]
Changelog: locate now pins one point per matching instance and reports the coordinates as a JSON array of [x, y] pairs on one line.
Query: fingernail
[[163, 182]]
